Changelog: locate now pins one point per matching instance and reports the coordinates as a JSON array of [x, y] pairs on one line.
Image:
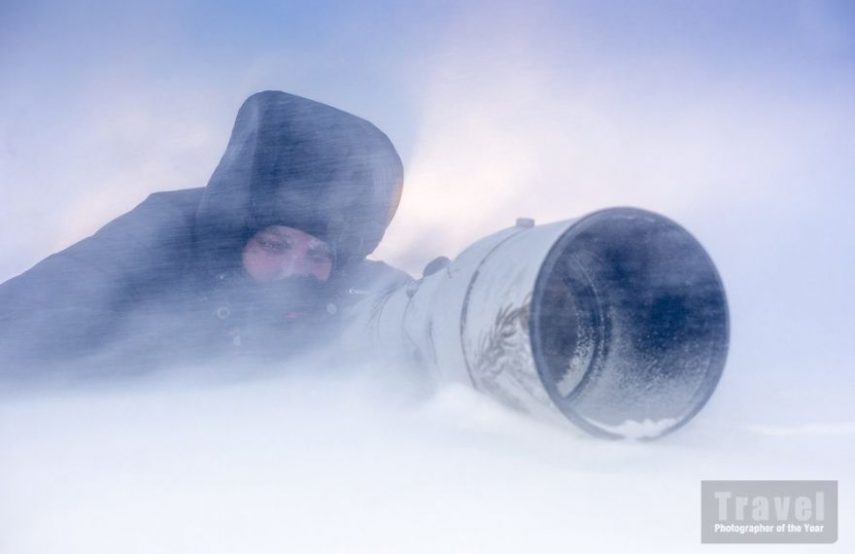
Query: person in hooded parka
[[258, 264]]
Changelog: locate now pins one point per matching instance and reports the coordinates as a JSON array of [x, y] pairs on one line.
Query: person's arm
[[68, 304]]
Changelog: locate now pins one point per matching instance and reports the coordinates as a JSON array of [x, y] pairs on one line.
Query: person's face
[[278, 252]]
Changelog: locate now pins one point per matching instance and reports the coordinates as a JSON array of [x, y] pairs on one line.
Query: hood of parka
[[296, 162]]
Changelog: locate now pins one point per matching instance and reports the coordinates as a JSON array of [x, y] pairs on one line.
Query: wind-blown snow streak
[[841, 429], [361, 460]]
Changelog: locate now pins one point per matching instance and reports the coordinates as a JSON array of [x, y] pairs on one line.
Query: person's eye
[[320, 257], [274, 245]]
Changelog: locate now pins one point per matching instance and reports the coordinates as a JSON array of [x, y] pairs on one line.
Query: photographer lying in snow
[[258, 264]]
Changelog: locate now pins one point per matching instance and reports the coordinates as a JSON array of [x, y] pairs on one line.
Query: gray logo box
[[768, 511]]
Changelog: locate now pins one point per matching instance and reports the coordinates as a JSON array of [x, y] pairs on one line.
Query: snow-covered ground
[[379, 461]]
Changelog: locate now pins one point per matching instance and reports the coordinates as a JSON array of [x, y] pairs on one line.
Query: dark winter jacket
[[164, 283]]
